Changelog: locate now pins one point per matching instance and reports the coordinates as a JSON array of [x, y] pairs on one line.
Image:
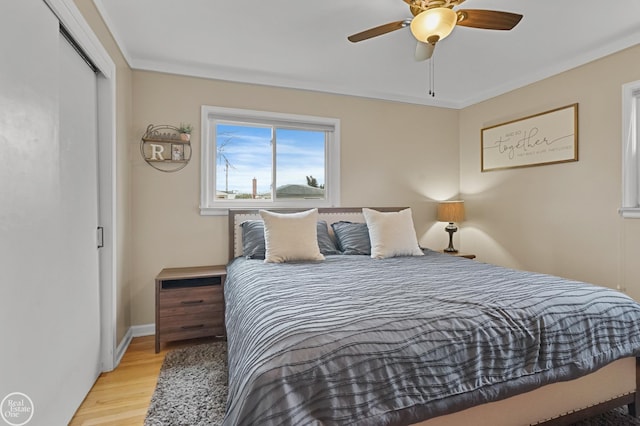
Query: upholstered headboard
[[330, 215]]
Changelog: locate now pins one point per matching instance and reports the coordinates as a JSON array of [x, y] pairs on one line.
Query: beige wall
[[391, 154], [123, 165], [560, 219]]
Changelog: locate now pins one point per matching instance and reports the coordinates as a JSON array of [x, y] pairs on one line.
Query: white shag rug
[[192, 387]]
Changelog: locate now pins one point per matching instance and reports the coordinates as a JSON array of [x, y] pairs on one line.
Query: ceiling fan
[[435, 19]]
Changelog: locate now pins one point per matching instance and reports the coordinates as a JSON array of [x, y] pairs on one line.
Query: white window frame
[[209, 205], [630, 145]]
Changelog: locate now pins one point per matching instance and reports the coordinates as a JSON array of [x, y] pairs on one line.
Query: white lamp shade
[[434, 24]]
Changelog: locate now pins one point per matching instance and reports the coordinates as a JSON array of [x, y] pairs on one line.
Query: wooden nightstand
[[459, 254], [189, 303]]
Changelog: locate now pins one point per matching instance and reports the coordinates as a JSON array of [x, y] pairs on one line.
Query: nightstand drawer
[[185, 297], [192, 328], [193, 309], [184, 323]]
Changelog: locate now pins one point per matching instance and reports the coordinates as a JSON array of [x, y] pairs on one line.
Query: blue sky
[[248, 152]]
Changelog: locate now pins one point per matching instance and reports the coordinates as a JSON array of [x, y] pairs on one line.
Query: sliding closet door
[[79, 204], [49, 295]]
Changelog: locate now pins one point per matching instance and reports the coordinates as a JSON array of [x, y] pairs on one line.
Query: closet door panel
[[29, 197], [79, 222], [49, 294]]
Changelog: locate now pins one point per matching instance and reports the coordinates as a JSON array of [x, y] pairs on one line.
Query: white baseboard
[[122, 347], [133, 331], [143, 330]]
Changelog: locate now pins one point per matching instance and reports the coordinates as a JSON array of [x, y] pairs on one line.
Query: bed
[[428, 339]]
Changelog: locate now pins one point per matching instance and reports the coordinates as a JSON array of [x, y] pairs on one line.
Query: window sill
[[629, 212], [299, 204]]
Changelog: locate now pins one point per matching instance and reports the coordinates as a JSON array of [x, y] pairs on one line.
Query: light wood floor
[[121, 397]]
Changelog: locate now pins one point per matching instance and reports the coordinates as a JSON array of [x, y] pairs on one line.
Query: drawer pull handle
[[190, 327], [191, 302]]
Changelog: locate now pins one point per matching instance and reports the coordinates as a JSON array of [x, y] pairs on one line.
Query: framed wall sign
[[547, 138]]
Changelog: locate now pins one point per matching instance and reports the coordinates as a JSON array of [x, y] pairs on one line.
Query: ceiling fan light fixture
[[433, 24]]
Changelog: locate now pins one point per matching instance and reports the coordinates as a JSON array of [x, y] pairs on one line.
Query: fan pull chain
[[431, 74], [429, 77]]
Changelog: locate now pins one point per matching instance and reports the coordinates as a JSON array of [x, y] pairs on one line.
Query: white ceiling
[[297, 44]]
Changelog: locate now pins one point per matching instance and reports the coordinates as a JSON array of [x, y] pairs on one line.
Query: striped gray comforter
[[357, 341]]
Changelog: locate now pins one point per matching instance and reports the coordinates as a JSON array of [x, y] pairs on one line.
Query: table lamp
[[451, 211]]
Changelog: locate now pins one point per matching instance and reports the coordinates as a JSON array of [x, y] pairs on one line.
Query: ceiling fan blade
[[377, 31], [424, 51], [488, 19]]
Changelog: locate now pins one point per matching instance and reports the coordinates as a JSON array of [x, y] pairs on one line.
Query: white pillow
[[291, 236], [391, 234]]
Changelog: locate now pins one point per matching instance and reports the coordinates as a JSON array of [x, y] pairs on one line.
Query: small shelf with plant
[[167, 148]]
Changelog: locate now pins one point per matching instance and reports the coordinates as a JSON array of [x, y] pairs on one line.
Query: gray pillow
[[253, 245], [325, 242], [353, 238]]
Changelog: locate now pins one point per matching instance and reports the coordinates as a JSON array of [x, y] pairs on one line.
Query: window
[[630, 145], [257, 159]]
